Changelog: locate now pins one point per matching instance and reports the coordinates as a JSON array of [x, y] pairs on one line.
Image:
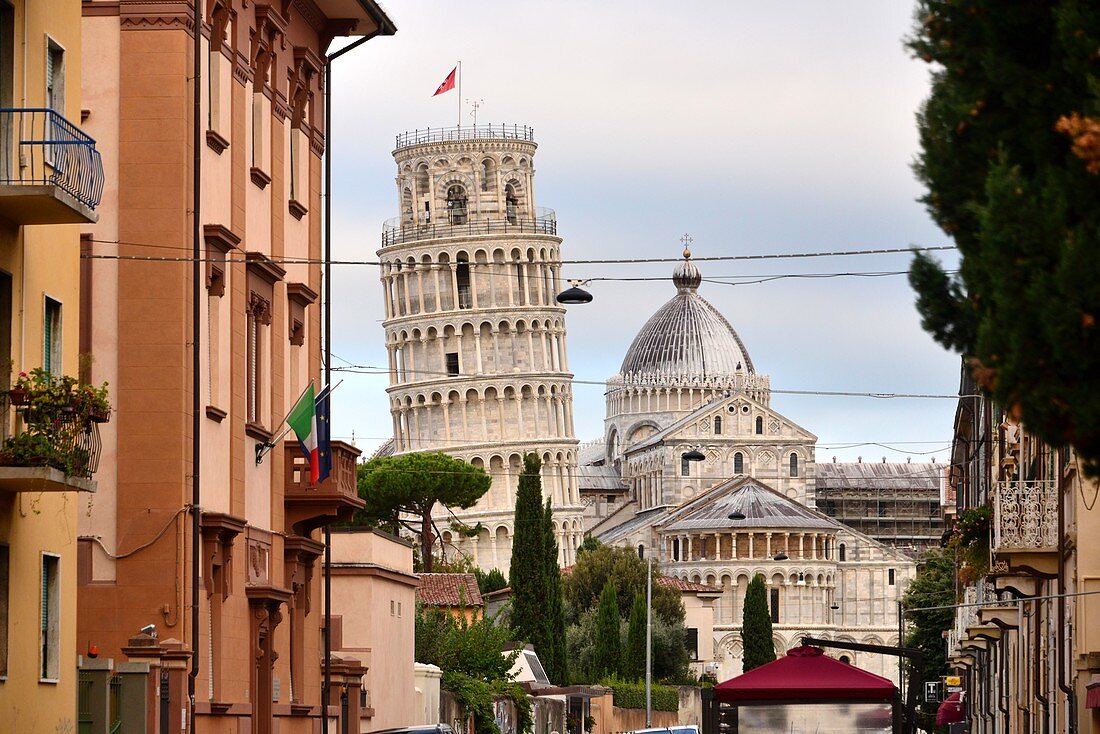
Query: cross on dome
[[686, 240]]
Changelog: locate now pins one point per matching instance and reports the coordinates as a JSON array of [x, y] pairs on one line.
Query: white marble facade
[[688, 385], [476, 340]]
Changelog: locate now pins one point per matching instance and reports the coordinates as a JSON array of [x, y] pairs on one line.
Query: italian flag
[[303, 421]]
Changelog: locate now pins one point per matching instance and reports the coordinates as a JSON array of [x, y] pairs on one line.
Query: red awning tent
[[952, 710], [806, 674], [1092, 693]]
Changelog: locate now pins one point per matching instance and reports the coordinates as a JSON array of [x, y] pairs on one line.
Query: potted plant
[[18, 392]]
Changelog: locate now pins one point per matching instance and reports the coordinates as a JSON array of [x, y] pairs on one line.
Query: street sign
[[932, 690], [952, 680]]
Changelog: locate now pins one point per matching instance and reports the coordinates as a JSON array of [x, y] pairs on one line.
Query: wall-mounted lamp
[[694, 455], [780, 556], [736, 516], [574, 295]]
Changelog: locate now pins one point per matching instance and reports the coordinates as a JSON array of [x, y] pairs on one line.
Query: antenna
[[474, 104]]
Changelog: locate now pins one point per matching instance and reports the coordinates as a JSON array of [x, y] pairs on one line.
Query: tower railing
[[394, 232], [469, 132]]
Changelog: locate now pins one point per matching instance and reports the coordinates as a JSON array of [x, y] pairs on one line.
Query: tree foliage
[[595, 567], [671, 659], [528, 569], [396, 487], [558, 669], [933, 586], [756, 626], [1011, 159], [634, 655], [489, 581], [608, 636]]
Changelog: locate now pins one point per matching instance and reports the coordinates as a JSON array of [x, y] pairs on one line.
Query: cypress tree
[[634, 658], [555, 661], [529, 618], [1011, 161], [607, 656], [756, 626]]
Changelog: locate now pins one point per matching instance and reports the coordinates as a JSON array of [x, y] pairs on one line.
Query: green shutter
[[47, 339]]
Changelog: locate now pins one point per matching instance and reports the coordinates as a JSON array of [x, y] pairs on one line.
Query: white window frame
[[56, 336], [49, 639]]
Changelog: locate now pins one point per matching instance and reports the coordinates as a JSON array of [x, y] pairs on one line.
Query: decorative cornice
[[216, 142], [264, 267], [300, 293], [297, 209], [98, 9], [259, 178], [220, 236]]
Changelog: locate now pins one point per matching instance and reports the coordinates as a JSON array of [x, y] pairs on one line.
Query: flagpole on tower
[[460, 94]]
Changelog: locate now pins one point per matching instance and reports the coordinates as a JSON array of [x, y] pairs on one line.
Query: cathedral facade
[[698, 471], [476, 341]]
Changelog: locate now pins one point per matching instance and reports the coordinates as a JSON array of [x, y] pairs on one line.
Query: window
[[775, 605], [254, 350], [511, 202], [717, 425], [843, 553], [641, 551], [738, 463], [691, 642], [794, 465], [51, 336], [3, 610], [759, 424], [258, 128], [611, 499], [462, 281], [685, 466], [452, 363], [456, 204], [55, 76], [890, 576], [49, 627]]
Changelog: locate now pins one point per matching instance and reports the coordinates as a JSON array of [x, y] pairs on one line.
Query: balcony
[[310, 506], [1025, 525], [470, 132], [455, 223], [50, 170], [56, 445]]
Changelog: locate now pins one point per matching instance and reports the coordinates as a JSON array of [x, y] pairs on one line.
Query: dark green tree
[[594, 568], [589, 543], [933, 586], [608, 641], [634, 656], [413, 484], [1010, 139], [756, 626], [558, 668], [489, 581], [528, 571]]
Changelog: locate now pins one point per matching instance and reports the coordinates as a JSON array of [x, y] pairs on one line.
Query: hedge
[[632, 696]]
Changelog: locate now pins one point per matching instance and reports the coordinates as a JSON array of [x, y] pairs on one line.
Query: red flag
[[448, 83]]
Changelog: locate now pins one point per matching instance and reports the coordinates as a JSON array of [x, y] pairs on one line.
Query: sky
[[757, 128]]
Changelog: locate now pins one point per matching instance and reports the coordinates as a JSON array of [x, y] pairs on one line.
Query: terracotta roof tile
[[681, 585], [449, 590]]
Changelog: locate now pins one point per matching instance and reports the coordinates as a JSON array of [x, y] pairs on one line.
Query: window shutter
[[47, 340], [45, 596]]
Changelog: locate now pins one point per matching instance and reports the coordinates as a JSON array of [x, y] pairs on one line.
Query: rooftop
[[870, 475], [463, 133], [449, 590]]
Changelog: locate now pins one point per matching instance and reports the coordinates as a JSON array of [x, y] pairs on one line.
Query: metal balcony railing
[[1025, 516], [470, 132], [395, 232], [38, 146]]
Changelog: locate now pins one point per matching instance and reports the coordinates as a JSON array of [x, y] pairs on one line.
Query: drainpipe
[[382, 29], [1036, 657], [196, 362], [1071, 693]]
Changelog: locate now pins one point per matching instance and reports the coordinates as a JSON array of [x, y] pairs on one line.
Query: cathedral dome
[[687, 337]]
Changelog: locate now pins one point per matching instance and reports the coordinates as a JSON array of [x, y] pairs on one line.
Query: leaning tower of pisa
[[476, 340]]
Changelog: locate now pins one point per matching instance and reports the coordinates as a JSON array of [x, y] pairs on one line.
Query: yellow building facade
[[50, 180]]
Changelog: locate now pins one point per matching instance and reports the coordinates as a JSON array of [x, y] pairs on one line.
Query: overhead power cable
[[608, 261], [374, 370]]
